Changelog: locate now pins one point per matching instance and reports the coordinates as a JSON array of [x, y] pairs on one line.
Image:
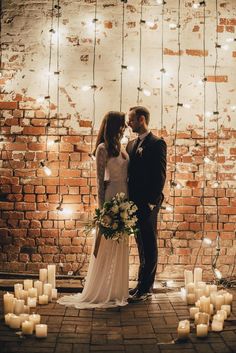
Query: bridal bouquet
[[117, 219]]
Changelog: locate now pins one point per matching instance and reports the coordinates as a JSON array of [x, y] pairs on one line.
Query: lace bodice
[[111, 171]]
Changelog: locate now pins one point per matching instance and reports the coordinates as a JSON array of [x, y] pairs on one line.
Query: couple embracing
[[139, 171]]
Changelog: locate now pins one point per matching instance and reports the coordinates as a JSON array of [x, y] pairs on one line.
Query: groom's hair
[[139, 110]]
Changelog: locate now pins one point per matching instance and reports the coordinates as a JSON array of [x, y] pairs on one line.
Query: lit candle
[[222, 313], [228, 298], [54, 293], [218, 317], [17, 288], [190, 298], [39, 286], [202, 330], [192, 311], [19, 306], [32, 302], [47, 289], [32, 292], [52, 275], [14, 322], [183, 329], [43, 275], [8, 302], [219, 300], [41, 330], [190, 288], [197, 275], [197, 304], [205, 304], [207, 291], [24, 295], [212, 288], [202, 285], [227, 308], [201, 318], [35, 318], [24, 317], [7, 318], [26, 309], [188, 277], [217, 325], [28, 283], [43, 299], [213, 298], [199, 292], [27, 327]]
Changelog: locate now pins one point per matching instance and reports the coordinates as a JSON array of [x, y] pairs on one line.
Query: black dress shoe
[[133, 291]]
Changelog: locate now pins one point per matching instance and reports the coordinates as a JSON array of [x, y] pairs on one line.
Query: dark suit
[[147, 174]]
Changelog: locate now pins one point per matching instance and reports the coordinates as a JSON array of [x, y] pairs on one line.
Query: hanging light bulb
[[150, 23], [170, 283], [169, 208], [230, 40], [47, 170], [64, 211], [146, 92], [218, 274], [85, 88], [207, 241], [128, 67], [177, 184], [215, 184], [91, 23], [40, 99], [185, 105], [160, 2], [233, 108], [208, 114], [225, 46], [196, 6], [173, 25], [207, 160]]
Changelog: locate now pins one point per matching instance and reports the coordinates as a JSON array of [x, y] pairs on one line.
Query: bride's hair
[[110, 132]]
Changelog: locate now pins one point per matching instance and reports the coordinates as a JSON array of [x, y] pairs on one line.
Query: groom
[[147, 174]]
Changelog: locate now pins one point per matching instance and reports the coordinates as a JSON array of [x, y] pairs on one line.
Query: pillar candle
[[17, 288], [192, 311], [27, 327], [7, 318], [24, 317], [199, 292], [52, 275], [218, 317], [8, 303], [32, 302], [26, 309], [227, 308], [217, 325], [219, 300], [28, 283], [213, 298], [183, 329], [43, 299], [43, 275], [41, 330], [32, 292], [207, 291], [47, 289], [54, 293], [24, 295], [205, 304], [188, 277], [223, 313], [197, 304], [14, 322], [35, 318], [228, 298], [202, 285], [39, 286], [190, 288], [197, 275], [211, 309], [202, 330], [19, 306], [202, 318], [212, 288], [190, 298]]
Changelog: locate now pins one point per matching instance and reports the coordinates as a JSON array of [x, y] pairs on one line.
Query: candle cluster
[[26, 296], [212, 306]]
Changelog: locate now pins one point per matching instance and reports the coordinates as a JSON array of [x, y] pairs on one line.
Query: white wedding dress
[[107, 279]]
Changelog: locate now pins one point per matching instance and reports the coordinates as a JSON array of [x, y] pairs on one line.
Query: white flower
[[115, 209]]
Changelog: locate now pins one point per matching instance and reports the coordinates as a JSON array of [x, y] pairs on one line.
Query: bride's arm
[[101, 159]]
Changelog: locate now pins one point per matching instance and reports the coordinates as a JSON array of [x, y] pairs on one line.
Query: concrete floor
[[146, 327]]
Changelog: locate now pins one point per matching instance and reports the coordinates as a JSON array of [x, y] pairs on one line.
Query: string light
[[128, 67], [140, 89], [207, 241], [145, 91], [174, 25], [198, 4], [161, 2], [184, 105], [46, 169], [86, 88]]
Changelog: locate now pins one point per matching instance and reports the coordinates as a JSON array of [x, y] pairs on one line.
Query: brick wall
[[32, 231]]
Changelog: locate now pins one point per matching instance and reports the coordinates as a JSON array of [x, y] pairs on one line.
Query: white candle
[[41, 330], [47, 289], [24, 317], [202, 330], [197, 275], [197, 304], [211, 309], [222, 313], [212, 288], [202, 318], [190, 288], [226, 308], [52, 275], [43, 275], [28, 283], [205, 304], [26, 309], [35, 318], [199, 292], [19, 306], [188, 277], [32, 302], [39, 286], [54, 293], [17, 288], [43, 299], [217, 325], [219, 300], [207, 291], [27, 327], [183, 329], [192, 311], [228, 298], [190, 298], [213, 298], [7, 318], [24, 295], [218, 317], [8, 302], [14, 322], [33, 292]]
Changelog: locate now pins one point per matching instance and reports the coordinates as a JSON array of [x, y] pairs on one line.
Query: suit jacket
[[147, 170]]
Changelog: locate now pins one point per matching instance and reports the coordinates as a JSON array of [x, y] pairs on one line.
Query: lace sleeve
[[101, 159]]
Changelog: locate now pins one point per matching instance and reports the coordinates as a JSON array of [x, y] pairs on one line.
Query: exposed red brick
[[172, 52], [217, 79], [8, 105], [196, 52]]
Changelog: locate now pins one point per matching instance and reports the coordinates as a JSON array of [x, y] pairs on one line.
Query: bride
[[107, 278]]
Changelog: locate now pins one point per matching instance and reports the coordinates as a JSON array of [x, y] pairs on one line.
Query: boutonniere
[[140, 151]]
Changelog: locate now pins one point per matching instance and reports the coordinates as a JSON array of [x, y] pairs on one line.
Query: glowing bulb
[[207, 241], [207, 160], [225, 47], [196, 6], [50, 143], [229, 40], [208, 114], [233, 108], [85, 88], [218, 273], [146, 92], [179, 185], [170, 283], [186, 105], [160, 2], [169, 208], [150, 23], [130, 68], [40, 99], [216, 184], [65, 211], [47, 170]]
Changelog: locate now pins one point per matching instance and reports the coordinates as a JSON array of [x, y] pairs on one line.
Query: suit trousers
[[147, 247]]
